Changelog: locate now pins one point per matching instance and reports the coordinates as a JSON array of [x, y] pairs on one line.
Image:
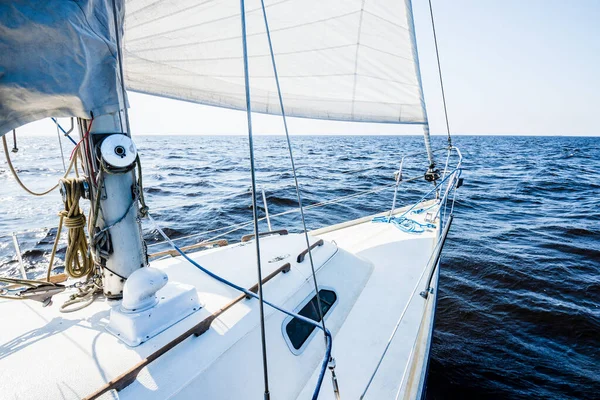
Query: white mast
[[120, 249]]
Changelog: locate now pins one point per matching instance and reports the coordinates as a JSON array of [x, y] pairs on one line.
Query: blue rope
[[420, 210], [405, 224], [65, 132], [253, 295]]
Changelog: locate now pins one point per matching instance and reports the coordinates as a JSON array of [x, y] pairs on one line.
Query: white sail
[[351, 60]]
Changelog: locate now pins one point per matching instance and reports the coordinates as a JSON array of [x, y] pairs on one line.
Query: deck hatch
[[299, 331]]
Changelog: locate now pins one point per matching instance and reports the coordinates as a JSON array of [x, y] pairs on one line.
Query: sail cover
[[57, 59], [352, 60]]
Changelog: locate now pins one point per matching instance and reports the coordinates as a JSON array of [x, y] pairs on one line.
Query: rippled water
[[519, 308]]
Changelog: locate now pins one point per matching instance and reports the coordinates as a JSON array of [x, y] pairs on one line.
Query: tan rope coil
[[78, 258], [78, 261]]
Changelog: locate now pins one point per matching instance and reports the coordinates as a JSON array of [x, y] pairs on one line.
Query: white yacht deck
[[372, 267]]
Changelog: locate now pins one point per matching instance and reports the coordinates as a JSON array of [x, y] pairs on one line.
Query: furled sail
[[352, 60], [57, 59]]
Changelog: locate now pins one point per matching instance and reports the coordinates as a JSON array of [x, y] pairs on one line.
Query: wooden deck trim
[[301, 256], [174, 253], [247, 238]]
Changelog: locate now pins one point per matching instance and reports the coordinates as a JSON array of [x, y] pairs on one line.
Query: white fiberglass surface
[[371, 266]]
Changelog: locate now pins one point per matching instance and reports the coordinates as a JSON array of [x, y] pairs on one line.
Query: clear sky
[[525, 67]]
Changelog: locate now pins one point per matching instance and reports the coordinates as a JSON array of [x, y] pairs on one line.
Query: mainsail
[[352, 60]]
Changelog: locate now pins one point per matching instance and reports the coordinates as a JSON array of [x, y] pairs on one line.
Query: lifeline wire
[[437, 55], [254, 205], [244, 224], [255, 296]]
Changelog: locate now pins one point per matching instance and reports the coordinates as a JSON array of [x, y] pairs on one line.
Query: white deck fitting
[[373, 267]]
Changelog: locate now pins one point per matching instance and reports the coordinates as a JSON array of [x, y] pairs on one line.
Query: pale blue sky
[[516, 66], [510, 67]]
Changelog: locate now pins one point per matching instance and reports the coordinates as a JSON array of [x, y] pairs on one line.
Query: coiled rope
[[405, 224], [86, 294], [78, 261]]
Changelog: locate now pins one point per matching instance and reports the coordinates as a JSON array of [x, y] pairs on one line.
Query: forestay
[[351, 60]]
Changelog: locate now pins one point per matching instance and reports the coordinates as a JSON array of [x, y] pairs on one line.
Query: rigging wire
[[62, 154], [87, 133], [66, 133], [254, 204], [16, 175], [331, 361], [437, 55], [85, 153]]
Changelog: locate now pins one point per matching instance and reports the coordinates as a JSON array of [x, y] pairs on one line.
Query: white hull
[[374, 269]]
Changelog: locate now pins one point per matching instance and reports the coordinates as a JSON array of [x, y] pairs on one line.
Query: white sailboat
[[273, 315]]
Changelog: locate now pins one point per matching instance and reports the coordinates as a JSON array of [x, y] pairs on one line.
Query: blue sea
[[518, 315]]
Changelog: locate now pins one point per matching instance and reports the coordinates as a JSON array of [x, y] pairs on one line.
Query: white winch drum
[[118, 151]]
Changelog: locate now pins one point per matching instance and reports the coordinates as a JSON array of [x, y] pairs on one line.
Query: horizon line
[[346, 134]]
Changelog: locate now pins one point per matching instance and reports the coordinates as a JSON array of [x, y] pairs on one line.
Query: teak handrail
[[250, 236], [284, 268], [127, 378], [301, 256], [173, 252]]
